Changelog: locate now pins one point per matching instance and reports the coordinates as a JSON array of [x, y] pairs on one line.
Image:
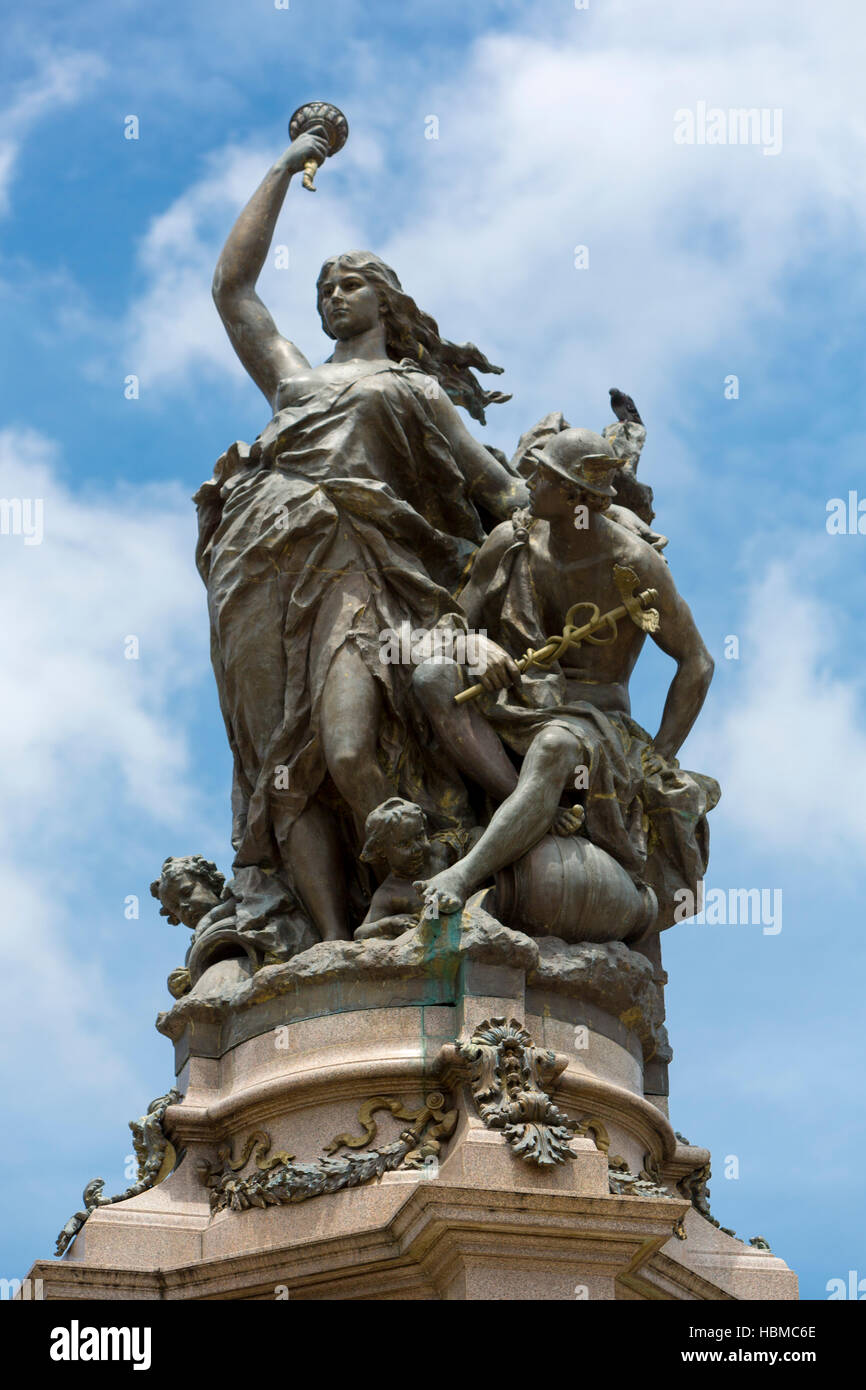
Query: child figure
[[189, 891], [189, 888], [396, 834]]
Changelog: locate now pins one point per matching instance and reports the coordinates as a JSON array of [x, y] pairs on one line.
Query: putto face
[[187, 897], [407, 847], [350, 305]]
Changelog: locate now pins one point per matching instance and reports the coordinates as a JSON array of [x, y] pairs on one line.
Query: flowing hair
[[412, 334]]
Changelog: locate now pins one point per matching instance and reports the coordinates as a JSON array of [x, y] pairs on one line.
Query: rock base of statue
[[461, 1113]]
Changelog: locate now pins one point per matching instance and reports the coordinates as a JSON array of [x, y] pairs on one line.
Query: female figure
[[354, 512]]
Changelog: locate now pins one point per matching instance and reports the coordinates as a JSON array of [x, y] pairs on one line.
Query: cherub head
[[188, 887], [397, 832]]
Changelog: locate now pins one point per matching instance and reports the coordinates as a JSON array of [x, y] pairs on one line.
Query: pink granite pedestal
[[294, 1053]]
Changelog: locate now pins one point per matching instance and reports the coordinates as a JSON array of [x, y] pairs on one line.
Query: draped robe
[[348, 518]]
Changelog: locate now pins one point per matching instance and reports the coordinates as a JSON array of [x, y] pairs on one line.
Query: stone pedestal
[[379, 1044]]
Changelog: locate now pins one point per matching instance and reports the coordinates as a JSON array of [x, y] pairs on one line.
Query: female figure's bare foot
[[567, 820]]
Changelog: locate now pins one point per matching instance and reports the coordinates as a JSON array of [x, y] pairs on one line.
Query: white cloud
[[547, 145], [790, 744], [108, 567], [87, 737], [548, 140], [61, 80], [55, 994]]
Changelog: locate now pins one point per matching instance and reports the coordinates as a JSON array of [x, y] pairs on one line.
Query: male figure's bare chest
[[560, 581]]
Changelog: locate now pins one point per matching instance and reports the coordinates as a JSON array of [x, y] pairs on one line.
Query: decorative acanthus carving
[[156, 1158], [277, 1180], [510, 1080]]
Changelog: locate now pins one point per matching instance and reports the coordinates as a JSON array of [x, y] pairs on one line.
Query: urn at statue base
[[571, 889], [461, 1113]]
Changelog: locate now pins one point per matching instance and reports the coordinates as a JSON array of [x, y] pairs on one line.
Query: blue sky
[[555, 130]]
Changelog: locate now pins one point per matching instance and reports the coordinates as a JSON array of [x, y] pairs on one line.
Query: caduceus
[[600, 628], [319, 115]]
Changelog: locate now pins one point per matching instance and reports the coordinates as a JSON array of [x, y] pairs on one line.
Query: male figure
[[572, 723]]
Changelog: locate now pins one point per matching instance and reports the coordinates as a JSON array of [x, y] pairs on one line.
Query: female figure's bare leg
[[312, 852], [351, 714]]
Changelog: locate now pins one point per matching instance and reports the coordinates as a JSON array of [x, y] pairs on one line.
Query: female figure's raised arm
[[264, 352]]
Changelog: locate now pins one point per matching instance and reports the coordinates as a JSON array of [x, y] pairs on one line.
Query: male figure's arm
[[679, 638], [500, 668], [484, 567]]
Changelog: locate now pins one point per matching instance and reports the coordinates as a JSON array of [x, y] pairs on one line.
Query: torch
[[328, 118]]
